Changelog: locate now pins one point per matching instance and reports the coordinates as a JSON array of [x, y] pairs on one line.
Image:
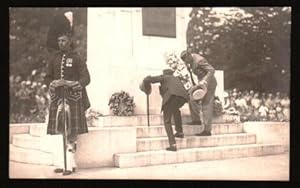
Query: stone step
[[18, 128], [111, 121], [161, 157], [159, 131], [160, 143], [38, 129], [25, 155], [45, 143], [141, 120]]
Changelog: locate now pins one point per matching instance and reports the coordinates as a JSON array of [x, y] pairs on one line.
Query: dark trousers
[[205, 107], [171, 109]]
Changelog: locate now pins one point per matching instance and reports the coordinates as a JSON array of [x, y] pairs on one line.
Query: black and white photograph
[[150, 93]]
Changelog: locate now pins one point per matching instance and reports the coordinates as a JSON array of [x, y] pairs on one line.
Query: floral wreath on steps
[[121, 104]]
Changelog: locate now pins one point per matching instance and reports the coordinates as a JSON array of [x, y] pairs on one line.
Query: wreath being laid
[[121, 104]]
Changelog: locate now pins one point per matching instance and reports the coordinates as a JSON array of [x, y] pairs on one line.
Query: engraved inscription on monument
[[159, 22]]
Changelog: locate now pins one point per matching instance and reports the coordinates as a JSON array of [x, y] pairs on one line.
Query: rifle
[[63, 111], [65, 134], [148, 119]]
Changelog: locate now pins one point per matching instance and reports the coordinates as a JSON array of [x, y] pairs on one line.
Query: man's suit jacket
[[170, 85], [204, 71]]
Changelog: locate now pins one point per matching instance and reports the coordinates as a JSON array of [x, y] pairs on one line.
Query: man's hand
[[58, 83], [69, 83], [202, 82]]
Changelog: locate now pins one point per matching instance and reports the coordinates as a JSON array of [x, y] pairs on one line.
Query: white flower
[[69, 16], [33, 72], [34, 84]]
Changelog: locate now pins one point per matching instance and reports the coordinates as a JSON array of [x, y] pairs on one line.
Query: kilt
[[74, 112]]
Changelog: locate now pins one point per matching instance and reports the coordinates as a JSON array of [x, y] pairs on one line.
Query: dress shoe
[[179, 135], [194, 123], [58, 170], [67, 172], [204, 133], [172, 148]]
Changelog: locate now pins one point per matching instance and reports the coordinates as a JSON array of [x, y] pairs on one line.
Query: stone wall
[[270, 132]]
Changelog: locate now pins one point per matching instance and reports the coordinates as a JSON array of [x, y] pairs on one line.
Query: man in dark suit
[[205, 72], [174, 96], [67, 76]]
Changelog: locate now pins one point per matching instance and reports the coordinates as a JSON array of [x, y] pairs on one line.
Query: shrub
[[29, 99]]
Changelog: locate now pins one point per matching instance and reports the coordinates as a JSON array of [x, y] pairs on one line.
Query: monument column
[[119, 56]]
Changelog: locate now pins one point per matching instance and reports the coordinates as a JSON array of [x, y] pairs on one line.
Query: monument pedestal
[[96, 149]]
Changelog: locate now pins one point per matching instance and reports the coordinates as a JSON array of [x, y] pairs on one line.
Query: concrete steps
[[141, 120], [38, 130], [160, 143], [43, 143], [161, 157], [31, 156], [18, 128], [30, 144], [159, 130], [27, 148], [137, 120]]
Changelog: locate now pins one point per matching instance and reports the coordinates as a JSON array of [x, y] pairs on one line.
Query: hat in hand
[[146, 87], [198, 92]]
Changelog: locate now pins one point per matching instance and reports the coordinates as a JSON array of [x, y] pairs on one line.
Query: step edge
[[194, 136], [199, 149], [17, 147]]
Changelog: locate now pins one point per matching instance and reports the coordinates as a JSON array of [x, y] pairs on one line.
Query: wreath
[[218, 108], [121, 104]]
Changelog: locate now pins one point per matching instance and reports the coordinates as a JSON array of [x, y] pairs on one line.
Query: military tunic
[[68, 66]]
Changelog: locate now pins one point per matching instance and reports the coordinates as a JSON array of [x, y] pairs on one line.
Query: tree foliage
[[27, 37], [29, 56], [251, 44]]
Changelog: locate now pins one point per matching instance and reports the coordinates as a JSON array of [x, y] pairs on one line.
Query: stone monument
[[126, 44]]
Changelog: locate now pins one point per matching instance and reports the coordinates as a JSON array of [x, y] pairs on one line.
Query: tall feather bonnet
[[62, 24]]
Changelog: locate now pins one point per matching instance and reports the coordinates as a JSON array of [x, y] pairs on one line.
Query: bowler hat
[[198, 92], [146, 87]]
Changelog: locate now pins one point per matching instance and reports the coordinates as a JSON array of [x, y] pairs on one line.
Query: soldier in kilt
[[67, 76]]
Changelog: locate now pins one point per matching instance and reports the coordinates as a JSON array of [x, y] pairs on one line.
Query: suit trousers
[[172, 109], [203, 110]]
